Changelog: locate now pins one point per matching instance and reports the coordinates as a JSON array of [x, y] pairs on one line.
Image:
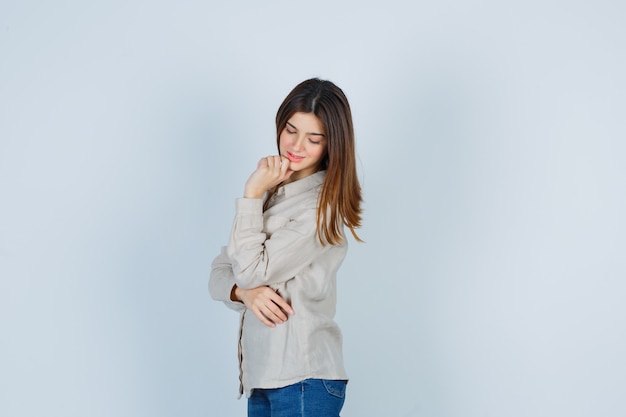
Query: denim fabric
[[308, 398]]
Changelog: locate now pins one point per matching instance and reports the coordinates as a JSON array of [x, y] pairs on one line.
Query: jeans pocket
[[336, 388]]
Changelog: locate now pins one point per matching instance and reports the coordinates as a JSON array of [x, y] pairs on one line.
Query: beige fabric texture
[[280, 248]]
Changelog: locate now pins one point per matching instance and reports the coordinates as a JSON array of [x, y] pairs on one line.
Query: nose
[[298, 143]]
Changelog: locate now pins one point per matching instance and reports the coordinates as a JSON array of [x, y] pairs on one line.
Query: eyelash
[[310, 140]]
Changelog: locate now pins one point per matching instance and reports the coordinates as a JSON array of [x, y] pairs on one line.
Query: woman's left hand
[[270, 171], [269, 307]]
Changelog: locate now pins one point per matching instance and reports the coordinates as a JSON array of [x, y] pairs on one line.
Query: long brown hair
[[340, 197]]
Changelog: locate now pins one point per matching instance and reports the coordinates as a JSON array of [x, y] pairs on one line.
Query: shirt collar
[[304, 184]]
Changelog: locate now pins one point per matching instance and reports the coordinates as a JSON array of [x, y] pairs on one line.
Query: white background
[[491, 142]]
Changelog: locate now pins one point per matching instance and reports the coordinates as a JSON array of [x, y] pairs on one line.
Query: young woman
[[286, 245]]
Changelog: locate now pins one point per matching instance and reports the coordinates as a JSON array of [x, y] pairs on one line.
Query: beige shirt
[[280, 248]]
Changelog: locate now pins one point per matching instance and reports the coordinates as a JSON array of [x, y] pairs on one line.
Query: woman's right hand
[[269, 307], [270, 171]]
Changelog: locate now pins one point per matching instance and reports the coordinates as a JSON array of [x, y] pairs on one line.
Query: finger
[[268, 311], [274, 162], [277, 163], [276, 313], [284, 165], [281, 303], [263, 318]]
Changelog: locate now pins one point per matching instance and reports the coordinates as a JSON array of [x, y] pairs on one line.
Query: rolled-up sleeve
[[258, 260]]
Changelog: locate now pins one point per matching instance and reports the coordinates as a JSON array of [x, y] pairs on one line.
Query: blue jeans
[[308, 398]]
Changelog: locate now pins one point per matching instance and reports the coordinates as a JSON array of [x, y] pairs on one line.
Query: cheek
[[282, 141], [316, 153]]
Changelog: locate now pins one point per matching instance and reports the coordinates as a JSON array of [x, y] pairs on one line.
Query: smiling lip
[[294, 158]]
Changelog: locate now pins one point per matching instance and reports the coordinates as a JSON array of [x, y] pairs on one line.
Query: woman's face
[[303, 142]]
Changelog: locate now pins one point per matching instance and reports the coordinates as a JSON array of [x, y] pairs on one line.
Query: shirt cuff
[[249, 206]]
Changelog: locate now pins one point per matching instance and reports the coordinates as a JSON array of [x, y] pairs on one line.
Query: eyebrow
[[308, 133]]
